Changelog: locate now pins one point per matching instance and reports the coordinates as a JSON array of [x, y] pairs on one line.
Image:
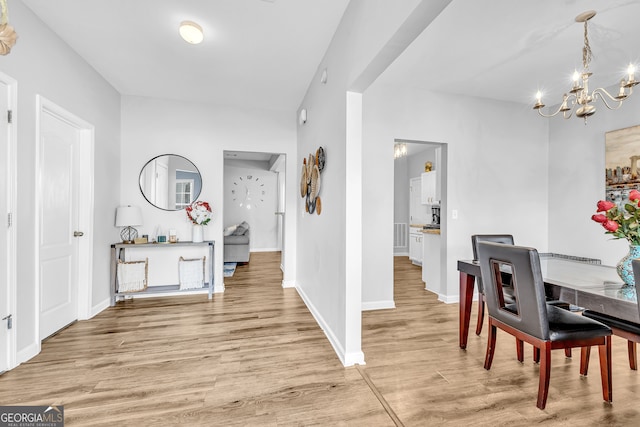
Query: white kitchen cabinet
[[429, 196], [415, 245], [431, 261]]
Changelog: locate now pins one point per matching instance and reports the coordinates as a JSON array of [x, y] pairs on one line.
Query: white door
[[5, 309], [59, 169]]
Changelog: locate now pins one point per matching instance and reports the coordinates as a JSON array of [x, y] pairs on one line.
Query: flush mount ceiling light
[[579, 95], [191, 32]]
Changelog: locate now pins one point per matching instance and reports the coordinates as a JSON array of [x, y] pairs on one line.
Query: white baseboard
[[401, 254], [378, 305], [288, 283], [350, 359], [453, 299], [264, 250], [27, 353], [100, 307]]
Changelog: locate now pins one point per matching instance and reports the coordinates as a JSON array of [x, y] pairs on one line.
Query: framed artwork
[[622, 172]]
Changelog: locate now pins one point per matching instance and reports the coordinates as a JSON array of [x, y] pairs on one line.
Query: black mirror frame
[[163, 155]]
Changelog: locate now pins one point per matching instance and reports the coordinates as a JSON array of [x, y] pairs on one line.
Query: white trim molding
[[12, 204], [378, 305], [357, 358]]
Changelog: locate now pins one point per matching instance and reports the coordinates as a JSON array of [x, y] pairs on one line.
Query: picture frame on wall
[[622, 168]]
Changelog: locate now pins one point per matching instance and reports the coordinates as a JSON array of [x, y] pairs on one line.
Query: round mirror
[[170, 182]]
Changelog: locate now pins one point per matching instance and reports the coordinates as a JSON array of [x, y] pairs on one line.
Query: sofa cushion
[[241, 229], [237, 240]]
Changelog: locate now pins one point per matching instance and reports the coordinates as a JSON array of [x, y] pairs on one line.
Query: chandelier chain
[[586, 50]]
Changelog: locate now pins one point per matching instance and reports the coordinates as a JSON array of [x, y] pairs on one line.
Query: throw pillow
[[228, 231], [241, 229]]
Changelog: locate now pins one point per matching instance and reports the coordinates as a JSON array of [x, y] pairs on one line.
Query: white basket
[[191, 273], [132, 276]]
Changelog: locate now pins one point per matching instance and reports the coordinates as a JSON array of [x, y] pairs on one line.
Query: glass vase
[[624, 268]]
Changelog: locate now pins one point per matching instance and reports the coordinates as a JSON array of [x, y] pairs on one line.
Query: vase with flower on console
[[624, 268], [197, 235]]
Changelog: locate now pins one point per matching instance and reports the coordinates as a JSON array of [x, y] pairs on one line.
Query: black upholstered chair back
[[529, 312], [507, 239], [636, 273]]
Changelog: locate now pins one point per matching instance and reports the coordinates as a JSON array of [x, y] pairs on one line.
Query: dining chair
[[530, 319], [622, 328], [475, 239]]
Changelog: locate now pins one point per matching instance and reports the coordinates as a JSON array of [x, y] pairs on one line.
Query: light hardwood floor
[[255, 356]]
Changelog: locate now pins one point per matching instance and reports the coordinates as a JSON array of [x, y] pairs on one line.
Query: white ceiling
[[256, 53], [508, 49], [263, 54]]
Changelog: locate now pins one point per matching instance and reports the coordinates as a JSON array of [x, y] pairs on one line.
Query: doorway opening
[[420, 195], [254, 199]]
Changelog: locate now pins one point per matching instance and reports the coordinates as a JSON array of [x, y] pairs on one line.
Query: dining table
[[583, 285]]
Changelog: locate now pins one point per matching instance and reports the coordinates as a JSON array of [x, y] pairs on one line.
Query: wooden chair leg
[[520, 350], [633, 357], [536, 355], [480, 314], [491, 345], [545, 373], [567, 352], [585, 352], [605, 369]]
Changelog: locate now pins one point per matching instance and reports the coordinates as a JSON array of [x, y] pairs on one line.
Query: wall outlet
[[454, 214]]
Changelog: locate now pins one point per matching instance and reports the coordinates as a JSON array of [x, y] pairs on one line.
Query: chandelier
[[399, 150], [579, 96]]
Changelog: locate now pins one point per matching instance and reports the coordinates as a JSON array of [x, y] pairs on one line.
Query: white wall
[[497, 175], [261, 215], [371, 34], [576, 177], [43, 64], [201, 133]]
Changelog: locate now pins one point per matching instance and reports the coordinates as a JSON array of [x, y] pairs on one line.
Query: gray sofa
[[236, 245]]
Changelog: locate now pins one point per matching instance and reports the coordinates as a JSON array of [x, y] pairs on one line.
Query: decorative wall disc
[[8, 38], [320, 158]]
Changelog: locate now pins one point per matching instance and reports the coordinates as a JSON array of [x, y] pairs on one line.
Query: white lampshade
[[191, 32], [127, 216]]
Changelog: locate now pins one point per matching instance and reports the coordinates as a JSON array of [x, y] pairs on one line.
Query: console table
[[118, 253]]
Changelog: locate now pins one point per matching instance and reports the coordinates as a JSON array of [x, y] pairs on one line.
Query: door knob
[[78, 234]]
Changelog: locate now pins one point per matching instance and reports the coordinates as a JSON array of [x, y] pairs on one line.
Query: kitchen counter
[[431, 230]]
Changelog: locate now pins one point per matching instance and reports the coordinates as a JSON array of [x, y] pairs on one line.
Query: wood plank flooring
[[254, 356]]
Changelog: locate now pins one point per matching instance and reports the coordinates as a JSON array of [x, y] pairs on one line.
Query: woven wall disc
[[8, 38], [315, 182], [310, 163], [303, 181], [318, 205], [320, 158]]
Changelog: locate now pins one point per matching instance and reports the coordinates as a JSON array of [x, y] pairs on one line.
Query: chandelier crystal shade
[[579, 100], [399, 150]]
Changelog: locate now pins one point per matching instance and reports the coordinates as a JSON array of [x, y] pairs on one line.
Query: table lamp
[[127, 217]]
